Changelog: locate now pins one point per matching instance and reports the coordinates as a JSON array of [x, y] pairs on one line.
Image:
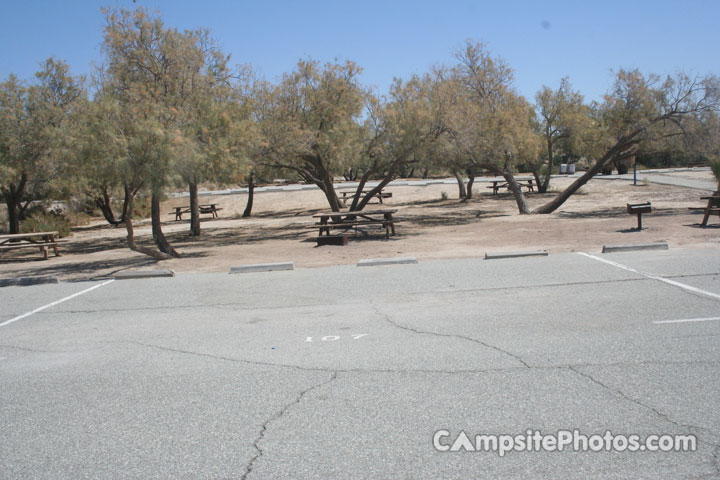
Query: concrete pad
[[24, 281], [371, 262], [636, 246], [144, 274], [263, 267], [533, 253]]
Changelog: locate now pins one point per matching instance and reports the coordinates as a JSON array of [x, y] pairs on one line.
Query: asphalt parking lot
[[348, 372]]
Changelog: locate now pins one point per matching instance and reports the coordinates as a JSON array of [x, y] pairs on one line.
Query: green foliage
[[35, 129], [487, 122], [46, 222], [715, 167], [142, 208]]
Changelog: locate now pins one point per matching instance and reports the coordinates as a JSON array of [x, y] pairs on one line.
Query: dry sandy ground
[[429, 228]]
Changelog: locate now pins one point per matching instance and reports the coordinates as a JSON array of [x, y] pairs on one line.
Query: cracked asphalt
[[348, 372]]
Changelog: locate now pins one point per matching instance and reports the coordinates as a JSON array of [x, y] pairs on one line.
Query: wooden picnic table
[[346, 220], [41, 240], [204, 208], [713, 206], [351, 194], [498, 184]]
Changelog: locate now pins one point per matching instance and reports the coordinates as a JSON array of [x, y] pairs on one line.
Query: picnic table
[[41, 240], [498, 184], [713, 206], [347, 220], [204, 208], [351, 194]]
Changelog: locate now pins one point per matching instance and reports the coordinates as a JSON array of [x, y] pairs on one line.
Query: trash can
[[563, 168], [571, 168]]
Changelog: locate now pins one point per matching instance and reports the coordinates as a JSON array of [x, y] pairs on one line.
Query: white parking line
[[687, 320], [654, 277], [24, 315]]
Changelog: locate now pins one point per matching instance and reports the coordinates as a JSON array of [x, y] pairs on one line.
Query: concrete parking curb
[[26, 281], [371, 262], [144, 274], [534, 253], [263, 267], [637, 246]]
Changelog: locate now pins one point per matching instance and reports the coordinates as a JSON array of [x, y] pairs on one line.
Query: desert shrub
[[46, 222], [143, 208]]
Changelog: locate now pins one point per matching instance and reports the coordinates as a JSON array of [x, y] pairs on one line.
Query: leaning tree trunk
[[131, 233], [512, 183], [328, 189], [555, 203], [194, 211], [389, 175], [251, 195], [462, 192], [157, 232], [517, 193]]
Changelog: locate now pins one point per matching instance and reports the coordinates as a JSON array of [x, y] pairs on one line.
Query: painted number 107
[[332, 338]]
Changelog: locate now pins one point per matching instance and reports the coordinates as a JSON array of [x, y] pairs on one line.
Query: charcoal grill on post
[[638, 209]]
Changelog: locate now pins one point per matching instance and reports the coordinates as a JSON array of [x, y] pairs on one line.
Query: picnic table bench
[[713, 206], [351, 194], [205, 208], [347, 220], [41, 240], [498, 184]]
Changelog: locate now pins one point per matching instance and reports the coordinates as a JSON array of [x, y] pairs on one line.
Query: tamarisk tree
[[641, 110], [33, 123]]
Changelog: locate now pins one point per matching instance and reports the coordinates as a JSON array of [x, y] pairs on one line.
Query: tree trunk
[[103, 202], [376, 190], [157, 232], [13, 197], [13, 213], [22, 209], [462, 192], [425, 173], [471, 180], [553, 204], [542, 187], [358, 191], [328, 189], [128, 196], [517, 192], [512, 183], [194, 212], [131, 233], [251, 195]]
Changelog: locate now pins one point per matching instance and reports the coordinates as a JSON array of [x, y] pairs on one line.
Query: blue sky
[[542, 41]]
